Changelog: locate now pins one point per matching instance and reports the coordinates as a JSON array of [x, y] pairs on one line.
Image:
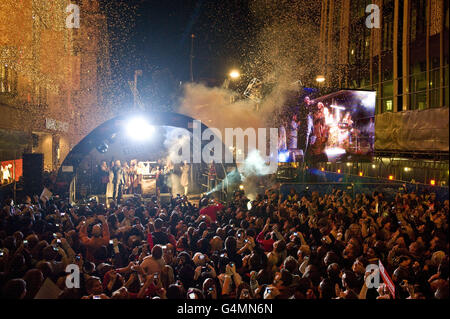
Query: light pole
[[192, 57]]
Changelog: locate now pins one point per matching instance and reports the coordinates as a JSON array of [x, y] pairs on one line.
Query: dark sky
[[154, 36]]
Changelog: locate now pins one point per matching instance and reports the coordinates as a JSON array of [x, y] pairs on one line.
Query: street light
[[320, 79], [234, 74]]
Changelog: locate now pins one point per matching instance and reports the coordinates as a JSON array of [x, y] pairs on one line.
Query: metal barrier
[[324, 182]]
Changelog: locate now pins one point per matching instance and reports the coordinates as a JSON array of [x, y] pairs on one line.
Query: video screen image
[[332, 128]]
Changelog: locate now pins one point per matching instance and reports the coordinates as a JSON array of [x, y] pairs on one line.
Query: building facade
[[52, 77], [405, 60]]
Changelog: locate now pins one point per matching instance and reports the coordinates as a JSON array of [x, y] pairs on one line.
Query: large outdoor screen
[[335, 127]]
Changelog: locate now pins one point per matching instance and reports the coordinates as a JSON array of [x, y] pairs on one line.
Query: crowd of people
[[292, 246]]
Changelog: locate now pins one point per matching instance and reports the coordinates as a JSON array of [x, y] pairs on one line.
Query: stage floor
[[192, 198]]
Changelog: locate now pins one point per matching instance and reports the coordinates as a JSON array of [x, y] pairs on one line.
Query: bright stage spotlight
[[234, 74], [139, 129]]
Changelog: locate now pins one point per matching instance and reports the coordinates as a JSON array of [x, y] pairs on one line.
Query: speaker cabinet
[[33, 167]]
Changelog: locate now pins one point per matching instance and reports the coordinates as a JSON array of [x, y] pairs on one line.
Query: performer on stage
[[292, 140], [159, 180], [306, 125], [318, 144], [132, 174], [126, 186], [104, 177], [118, 181], [282, 138], [185, 177], [169, 176], [212, 175], [6, 174], [110, 185]]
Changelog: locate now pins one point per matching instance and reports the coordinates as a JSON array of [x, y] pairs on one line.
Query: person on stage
[[292, 141], [306, 125], [159, 180], [104, 177], [212, 175], [185, 177], [118, 181], [110, 185], [132, 174]]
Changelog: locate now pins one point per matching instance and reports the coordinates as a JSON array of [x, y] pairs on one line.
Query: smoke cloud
[[283, 53]]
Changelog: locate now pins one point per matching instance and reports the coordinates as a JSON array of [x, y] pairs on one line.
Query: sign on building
[[56, 125]]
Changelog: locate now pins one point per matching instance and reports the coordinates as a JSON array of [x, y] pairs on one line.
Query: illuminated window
[[8, 79], [389, 106]]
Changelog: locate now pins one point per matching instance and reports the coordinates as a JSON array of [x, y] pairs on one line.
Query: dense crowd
[[307, 246]]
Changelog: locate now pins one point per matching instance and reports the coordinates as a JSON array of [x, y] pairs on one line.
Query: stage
[[164, 198]]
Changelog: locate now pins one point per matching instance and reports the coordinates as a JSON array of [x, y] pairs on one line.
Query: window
[[418, 86], [8, 79], [388, 25], [418, 20], [446, 15], [388, 106]]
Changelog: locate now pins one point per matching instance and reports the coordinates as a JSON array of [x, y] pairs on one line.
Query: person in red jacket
[[211, 211], [266, 241], [100, 237]]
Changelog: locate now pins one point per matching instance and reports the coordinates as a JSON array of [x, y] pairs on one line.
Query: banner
[[387, 280], [10, 171], [425, 130]]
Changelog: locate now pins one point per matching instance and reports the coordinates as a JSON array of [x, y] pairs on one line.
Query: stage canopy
[[110, 136]]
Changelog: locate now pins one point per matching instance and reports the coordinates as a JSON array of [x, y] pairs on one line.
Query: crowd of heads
[[277, 246]]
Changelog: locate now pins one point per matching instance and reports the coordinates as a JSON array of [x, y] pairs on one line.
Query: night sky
[[154, 36]]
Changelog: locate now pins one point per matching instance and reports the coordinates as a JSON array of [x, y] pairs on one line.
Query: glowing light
[[139, 129], [339, 171], [235, 74], [374, 166], [407, 169], [335, 151], [349, 164], [391, 177], [320, 78], [283, 157], [322, 169], [241, 187], [369, 100], [361, 174], [432, 182]]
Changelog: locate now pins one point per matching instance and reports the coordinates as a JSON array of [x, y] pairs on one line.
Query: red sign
[[14, 171], [387, 280]]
